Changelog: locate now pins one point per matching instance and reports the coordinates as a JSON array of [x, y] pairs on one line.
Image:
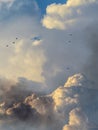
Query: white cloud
[[62, 16], [77, 120], [6, 0], [20, 58], [52, 59], [36, 42], [77, 80], [79, 2], [66, 108], [76, 53], [74, 104]]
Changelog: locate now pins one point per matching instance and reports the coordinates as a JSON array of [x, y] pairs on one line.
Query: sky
[[49, 46], [44, 3], [43, 45]]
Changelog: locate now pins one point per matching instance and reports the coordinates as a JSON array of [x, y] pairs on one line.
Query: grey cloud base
[[70, 107]]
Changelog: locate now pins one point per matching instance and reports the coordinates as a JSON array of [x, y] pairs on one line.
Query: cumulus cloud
[[62, 16], [46, 60], [63, 19], [42, 65], [74, 104], [19, 57], [61, 51], [77, 121], [66, 108]]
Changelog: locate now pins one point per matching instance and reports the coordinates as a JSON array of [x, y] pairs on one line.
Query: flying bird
[[69, 41], [13, 42], [7, 45], [68, 68], [70, 34]]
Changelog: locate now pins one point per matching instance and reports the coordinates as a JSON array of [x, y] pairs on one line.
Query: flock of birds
[[38, 38], [70, 34], [68, 42], [12, 42]]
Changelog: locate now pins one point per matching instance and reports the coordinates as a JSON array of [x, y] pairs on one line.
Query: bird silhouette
[[7, 45], [70, 34], [13, 42]]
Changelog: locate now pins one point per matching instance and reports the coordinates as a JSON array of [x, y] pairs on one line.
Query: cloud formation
[[17, 8], [52, 58], [46, 60], [68, 108], [41, 65], [19, 57], [62, 16], [66, 18], [6, 1]]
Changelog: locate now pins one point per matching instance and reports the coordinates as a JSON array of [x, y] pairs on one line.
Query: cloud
[[78, 80], [65, 48], [92, 40], [19, 57], [48, 59], [78, 2], [65, 54], [15, 8], [54, 57], [6, 1], [36, 43], [74, 103], [66, 108], [62, 16], [77, 120]]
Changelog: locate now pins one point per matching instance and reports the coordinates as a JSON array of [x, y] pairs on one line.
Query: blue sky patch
[[44, 3]]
